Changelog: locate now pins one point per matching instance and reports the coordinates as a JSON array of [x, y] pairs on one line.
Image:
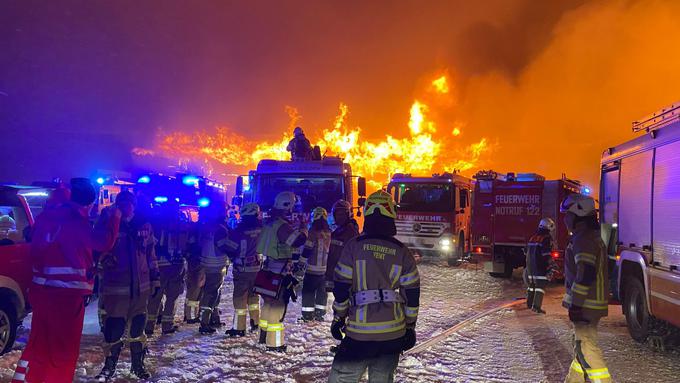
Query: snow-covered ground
[[513, 345]]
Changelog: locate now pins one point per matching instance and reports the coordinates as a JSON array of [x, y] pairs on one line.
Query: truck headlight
[[445, 244]]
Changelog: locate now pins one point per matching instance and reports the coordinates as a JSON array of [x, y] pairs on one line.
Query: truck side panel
[[634, 200], [517, 211]]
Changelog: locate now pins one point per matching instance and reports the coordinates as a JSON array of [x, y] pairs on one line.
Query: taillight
[[555, 254], [478, 250]]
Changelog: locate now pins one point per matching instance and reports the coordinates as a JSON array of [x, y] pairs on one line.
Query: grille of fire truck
[[427, 229], [659, 119]]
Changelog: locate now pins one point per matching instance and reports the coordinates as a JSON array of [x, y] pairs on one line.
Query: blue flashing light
[[100, 180], [190, 180], [144, 180], [586, 190], [161, 199], [203, 202], [177, 199]]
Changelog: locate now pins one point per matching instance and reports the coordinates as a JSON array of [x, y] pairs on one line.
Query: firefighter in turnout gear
[[130, 278], [195, 278], [313, 262], [299, 147], [538, 260], [377, 293], [277, 241], [246, 262], [214, 260], [587, 288], [346, 228], [172, 232]]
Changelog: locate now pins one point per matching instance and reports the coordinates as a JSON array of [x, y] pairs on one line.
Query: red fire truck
[[506, 209], [434, 214]]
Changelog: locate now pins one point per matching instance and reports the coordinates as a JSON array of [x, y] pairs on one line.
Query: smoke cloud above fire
[[536, 86]]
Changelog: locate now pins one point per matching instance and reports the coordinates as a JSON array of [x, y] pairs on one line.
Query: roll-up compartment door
[[635, 220], [667, 205]]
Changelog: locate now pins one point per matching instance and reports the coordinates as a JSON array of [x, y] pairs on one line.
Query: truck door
[[609, 207]]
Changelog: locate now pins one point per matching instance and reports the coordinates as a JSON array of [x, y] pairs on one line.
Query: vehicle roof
[[329, 165]]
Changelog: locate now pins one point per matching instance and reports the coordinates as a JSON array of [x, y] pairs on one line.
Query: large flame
[[422, 151]]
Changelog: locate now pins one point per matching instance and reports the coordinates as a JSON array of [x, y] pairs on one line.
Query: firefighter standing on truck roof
[[299, 147], [214, 260], [130, 277], [538, 260], [276, 243], [346, 228], [61, 257], [172, 232], [245, 260], [313, 261], [586, 282], [377, 293]]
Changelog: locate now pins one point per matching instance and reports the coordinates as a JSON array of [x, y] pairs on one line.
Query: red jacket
[[62, 244]]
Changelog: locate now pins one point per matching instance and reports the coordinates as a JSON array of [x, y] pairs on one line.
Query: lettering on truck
[[421, 218], [524, 204]]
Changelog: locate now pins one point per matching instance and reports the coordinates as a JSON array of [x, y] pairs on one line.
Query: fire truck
[[506, 210], [640, 212], [433, 217], [319, 182]]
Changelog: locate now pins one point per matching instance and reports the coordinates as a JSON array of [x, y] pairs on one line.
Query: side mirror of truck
[[361, 187], [361, 202], [239, 185]]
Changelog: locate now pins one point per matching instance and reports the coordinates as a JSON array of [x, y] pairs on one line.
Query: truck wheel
[[8, 325], [452, 261], [635, 310]]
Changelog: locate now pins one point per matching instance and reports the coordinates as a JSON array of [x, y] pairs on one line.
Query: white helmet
[[547, 224], [285, 201], [578, 204]]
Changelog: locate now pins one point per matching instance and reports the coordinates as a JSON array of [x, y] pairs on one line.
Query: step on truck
[[506, 210], [640, 215], [433, 215]]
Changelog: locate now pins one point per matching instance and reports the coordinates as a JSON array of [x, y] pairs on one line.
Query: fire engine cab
[[433, 215], [506, 210], [640, 213]]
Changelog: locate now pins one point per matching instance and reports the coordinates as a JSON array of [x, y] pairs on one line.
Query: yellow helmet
[[250, 209], [381, 202], [285, 201], [319, 213]]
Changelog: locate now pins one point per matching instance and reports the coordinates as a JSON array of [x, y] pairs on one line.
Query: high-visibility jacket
[[62, 244], [131, 268], [242, 249], [383, 267], [538, 255], [213, 242], [586, 274], [315, 253], [339, 236], [279, 238]]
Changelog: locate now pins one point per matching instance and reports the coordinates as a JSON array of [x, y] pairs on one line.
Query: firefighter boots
[[137, 367], [110, 363], [235, 333]]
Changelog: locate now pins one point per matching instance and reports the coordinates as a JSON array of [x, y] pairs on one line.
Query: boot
[[277, 349], [235, 333], [253, 326], [150, 328], [110, 363], [537, 303], [206, 330], [319, 315], [170, 330], [137, 367], [263, 337]]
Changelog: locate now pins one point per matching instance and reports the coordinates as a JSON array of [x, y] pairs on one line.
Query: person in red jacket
[[63, 271]]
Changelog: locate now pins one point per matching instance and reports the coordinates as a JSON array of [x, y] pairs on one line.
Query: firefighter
[[214, 260], [299, 147], [171, 230], [313, 262], [346, 228], [245, 262], [63, 271], [587, 288], [377, 292], [195, 278], [538, 259], [277, 241], [130, 278]]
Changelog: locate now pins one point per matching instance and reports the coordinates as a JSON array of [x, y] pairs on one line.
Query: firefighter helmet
[[298, 131], [578, 204], [126, 196], [547, 224], [250, 209], [342, 206], [319, 213], [285, 201], [381, 202]]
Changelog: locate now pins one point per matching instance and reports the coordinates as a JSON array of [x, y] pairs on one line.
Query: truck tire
[[8, 325], [638, 319]]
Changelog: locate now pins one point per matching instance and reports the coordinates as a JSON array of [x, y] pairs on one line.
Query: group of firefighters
[[144, 257]]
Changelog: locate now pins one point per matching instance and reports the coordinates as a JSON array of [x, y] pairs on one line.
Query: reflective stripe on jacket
[[315, 253], [278, 238], [213, 242], [339, 237], [242, 249], [538, 255]]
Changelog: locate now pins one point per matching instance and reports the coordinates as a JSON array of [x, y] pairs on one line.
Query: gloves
[[338, 328], [409, 339], [156, 290], [576, 314]]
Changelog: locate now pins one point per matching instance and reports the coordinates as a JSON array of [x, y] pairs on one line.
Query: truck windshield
[[313, 190], [426, 197]]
